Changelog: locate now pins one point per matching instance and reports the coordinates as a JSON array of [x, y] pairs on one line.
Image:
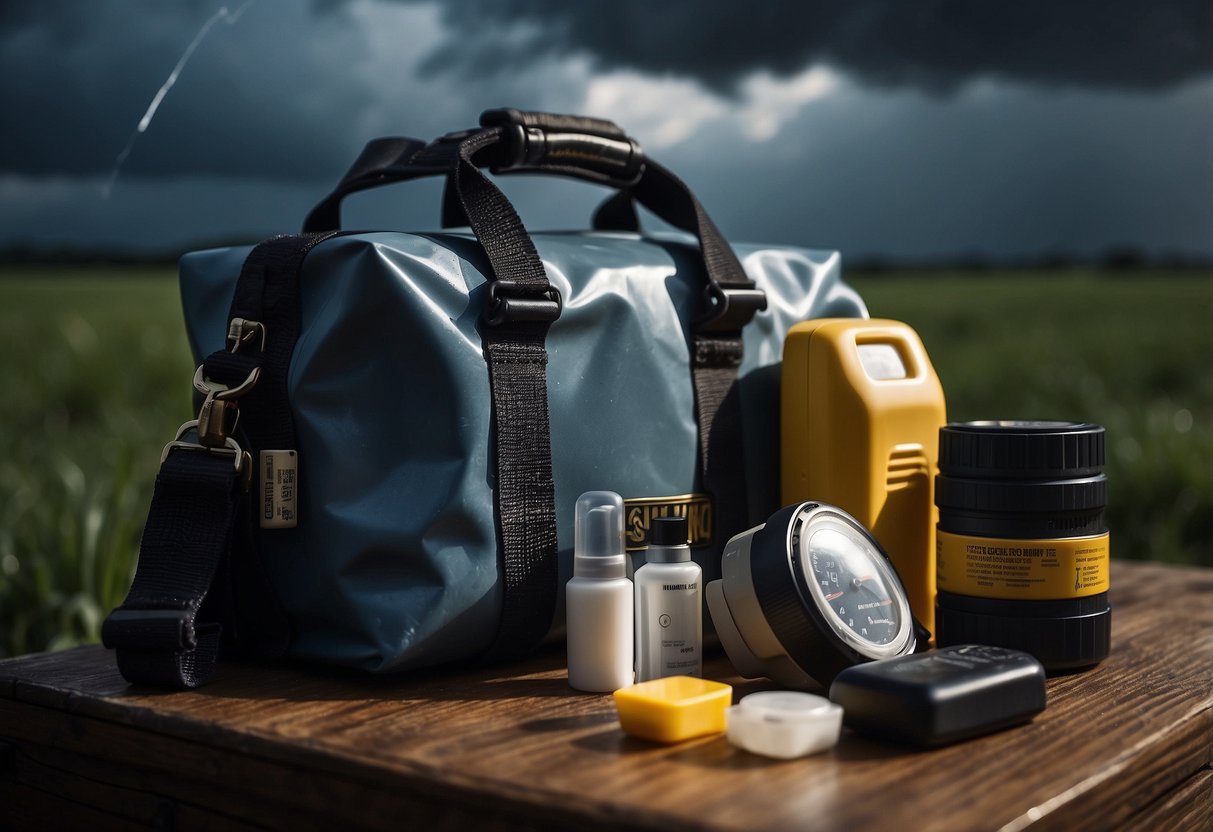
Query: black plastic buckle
[[729, 310], [149, 630], [603, 157], [510, 302]]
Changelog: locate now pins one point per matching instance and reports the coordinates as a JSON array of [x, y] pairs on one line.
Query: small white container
[[669, 609], [784, 724], [599, 598]]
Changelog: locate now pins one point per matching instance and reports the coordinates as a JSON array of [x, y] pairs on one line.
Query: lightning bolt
[[221, 15]]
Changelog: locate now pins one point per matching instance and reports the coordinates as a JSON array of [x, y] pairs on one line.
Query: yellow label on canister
[[1025, 569]]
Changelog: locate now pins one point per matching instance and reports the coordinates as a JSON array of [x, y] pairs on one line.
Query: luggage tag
[[279, 483]]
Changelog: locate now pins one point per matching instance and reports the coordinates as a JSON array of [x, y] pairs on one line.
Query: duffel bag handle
[[552, 139], [545, 143], [593, 150], [381, 162]]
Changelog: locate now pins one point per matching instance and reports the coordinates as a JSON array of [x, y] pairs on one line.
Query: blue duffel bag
[[393, 427]]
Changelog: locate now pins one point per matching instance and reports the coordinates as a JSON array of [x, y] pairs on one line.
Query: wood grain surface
[[1128, 743]]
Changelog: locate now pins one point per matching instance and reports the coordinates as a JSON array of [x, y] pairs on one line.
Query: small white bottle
[[599, 598], [669, 614]]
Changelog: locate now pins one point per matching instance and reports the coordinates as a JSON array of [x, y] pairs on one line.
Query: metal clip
[[220, 411], [242, 331], [221, 391], [241, 458], [217, 419]]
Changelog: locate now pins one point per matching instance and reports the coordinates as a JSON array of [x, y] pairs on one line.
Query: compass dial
[[851, 583], [808, 594], [854, 585]]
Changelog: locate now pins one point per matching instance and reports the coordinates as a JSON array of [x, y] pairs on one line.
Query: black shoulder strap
[[167, 630]]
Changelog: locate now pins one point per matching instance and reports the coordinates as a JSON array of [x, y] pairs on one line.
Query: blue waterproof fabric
[[393, 564]]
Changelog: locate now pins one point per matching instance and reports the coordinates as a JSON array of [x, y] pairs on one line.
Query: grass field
[[96, 374]]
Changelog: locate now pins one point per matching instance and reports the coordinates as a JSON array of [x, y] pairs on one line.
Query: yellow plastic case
[[861, 412], [673, 709]]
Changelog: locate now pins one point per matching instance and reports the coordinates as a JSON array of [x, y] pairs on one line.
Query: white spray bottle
[[599, 599]]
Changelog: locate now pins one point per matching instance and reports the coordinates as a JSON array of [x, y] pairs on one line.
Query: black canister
[[1022, 548]]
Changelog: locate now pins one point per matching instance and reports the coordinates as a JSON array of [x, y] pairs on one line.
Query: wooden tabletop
[[1127, 745]]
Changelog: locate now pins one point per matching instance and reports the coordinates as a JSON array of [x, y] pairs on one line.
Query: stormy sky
[[936, 128]]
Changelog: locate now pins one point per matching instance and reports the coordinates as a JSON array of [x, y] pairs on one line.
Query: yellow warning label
[[990, 567]]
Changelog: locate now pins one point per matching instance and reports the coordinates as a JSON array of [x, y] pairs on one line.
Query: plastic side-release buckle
[[511, 302], [729, 310]]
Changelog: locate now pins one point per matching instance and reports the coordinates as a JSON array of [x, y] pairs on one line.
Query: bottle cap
[[784, 724], [598, 548], [1016, 449], [668, 540]]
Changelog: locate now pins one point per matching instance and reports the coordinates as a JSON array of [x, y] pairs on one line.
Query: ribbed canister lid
[[1020, 496], [1021, 449]]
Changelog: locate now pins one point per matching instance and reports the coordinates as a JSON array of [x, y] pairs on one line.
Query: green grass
[[96, 374]]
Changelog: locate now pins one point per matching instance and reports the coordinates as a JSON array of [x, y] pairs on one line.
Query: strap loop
[[156, 632], [143, 629]]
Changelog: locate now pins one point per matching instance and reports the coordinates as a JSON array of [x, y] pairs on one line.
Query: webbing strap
[[525, 492], [156, 631], [268, 292], [714, 367], [730, 301], [198, 550], [716, 342]]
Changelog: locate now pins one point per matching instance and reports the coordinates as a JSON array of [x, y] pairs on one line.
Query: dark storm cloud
[[288, 92], [1086, 125], [79, 74], [282, 93], [933, 44]]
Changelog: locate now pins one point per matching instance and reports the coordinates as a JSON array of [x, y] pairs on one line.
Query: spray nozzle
[[598, 549]]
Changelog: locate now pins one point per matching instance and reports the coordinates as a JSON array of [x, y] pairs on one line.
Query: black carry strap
[[159, 638], [617, 213], [520, 307], [198, 550], [381, 161], [265, 320]]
